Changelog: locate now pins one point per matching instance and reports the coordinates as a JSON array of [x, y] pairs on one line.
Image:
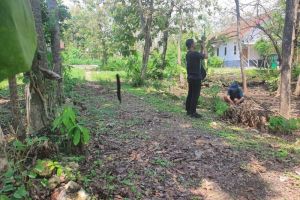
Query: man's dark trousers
[[193, 95]]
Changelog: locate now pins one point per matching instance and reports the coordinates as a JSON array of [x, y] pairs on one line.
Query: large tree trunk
[[15, 108], [148, 15], [287, 56], [55, 44], [238, 19], [41, 99]]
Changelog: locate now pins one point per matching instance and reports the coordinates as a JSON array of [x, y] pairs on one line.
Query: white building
[[226, 47]]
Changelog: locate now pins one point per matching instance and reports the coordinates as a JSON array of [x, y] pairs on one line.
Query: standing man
[[194, 63]]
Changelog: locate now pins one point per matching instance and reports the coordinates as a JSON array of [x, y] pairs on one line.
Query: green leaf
[[32, 175], [21, 192], [76, 137], [39, 167], [18, 36], [71, 132], [4, 197], [9, 173], [8, 188], [59, 171], [44, 182], [19, 145], [85, 134]]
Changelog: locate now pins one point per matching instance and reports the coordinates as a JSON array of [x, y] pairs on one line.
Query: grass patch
[[161, 162]]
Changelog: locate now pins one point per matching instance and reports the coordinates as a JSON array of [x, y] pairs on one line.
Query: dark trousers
[[193, 95]]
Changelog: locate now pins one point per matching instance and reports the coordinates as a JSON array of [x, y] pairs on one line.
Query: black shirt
[[193, 64]]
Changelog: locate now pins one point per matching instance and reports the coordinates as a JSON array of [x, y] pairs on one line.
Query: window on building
[[234, 51], [225, 51], [218, 51]]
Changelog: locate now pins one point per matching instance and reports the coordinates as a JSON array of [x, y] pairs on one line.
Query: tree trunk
[[104, 53], [55, 44], [287, 57], [15, 108], [147, 36], [181, 76], [166, 36], [295, 56], [40, 89], [238, 19]]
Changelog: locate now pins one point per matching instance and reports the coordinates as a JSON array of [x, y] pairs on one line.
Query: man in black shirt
[[193, 63]]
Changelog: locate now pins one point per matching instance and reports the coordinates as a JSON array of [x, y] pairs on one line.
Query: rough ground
[[141, 152]]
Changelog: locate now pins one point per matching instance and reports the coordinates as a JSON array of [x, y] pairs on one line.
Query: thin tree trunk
[[15, 108], [166, 36], [287, 57], [238, 18], [40, 89], [104, 53], [295, 56], [55, 44], [147, 37], [179, 62]]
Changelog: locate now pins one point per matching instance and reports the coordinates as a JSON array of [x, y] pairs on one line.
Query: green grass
[[4, 90]]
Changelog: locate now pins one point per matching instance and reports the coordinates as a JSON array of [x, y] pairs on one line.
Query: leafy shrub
[[115, 64], [73, 56], [272, 83], [220, 106], [282, 125], [216, 103], [13, 180], [296, 71], [215, 62], [68, 125], [212, 91], [133, 70]]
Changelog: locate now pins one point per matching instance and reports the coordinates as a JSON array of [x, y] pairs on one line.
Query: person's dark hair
[[189, 43]]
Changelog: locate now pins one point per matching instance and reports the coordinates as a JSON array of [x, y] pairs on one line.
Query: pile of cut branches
[[249, 113]]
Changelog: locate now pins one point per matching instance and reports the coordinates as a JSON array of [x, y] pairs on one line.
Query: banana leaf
[[17, 37]]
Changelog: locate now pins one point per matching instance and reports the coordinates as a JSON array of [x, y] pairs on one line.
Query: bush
[[220, 106], [215, 62], [73, 56], [272, 83], [281, 125], [296, 72], [133, 70], [216, 103], [115, 64]]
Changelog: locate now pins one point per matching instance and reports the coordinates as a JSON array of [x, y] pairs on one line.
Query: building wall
[[230, 51], [232, 59]]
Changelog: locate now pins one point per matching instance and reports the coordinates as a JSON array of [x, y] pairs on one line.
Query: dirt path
[[140, 153]]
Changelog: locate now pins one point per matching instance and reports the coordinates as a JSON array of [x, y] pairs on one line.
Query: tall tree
[[55, 43], [146, 15], [295, 57], [238, 21], [287, 56], [169, 9], [42, 91]]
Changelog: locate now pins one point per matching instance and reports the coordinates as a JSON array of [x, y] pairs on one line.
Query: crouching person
[[235, 95]]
